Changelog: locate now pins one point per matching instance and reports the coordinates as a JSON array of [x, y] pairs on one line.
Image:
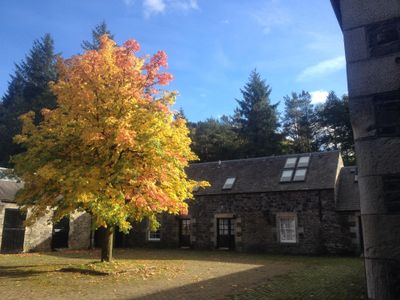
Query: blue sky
[[212, 45]]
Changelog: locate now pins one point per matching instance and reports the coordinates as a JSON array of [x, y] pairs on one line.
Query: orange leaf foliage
[[112, 147]]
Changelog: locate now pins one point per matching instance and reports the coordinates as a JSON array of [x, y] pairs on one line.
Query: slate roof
[[8, 189], [263, 174], [348, 197]]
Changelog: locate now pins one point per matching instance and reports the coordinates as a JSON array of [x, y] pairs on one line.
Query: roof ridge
[[264, 157]]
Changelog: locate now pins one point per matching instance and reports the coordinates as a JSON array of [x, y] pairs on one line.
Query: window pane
[[287, 229], [303, 161], [300, 175], [229, 183], [291, 162], [286, 175]]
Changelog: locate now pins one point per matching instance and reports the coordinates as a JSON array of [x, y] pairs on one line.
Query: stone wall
[[319, 228], [39, 235], [79, 231]]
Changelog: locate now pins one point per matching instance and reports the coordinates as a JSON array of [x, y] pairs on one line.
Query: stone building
[[73, 232], [300, 204], [303, 204], [371, 32]]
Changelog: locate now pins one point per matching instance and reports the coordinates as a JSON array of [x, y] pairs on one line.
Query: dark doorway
[[184, 233], [60, 234], [99, 237], [120, 238], [13, 231], [225, 233]]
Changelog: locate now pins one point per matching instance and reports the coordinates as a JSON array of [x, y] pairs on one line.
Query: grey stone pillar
[[371, 30]]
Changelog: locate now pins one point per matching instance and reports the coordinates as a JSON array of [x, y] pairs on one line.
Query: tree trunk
[[107, 247]]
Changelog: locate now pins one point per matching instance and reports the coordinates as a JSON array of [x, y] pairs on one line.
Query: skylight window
[[295, 169], [290, 162], [229, 183], [300, 175], [303, 162], [287, 175]]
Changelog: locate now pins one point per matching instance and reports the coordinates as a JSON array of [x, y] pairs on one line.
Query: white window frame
[[152, 238], [281, 237]]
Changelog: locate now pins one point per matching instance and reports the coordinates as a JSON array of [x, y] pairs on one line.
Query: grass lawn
[[179, 274]]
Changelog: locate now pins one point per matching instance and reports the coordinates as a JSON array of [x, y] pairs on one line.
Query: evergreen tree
[[256, 119], [335, 126], [28, 90], [97, 32], [299, 123], [214, 139]]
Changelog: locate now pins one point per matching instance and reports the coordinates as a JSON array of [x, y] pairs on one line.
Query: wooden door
[[13, 231], [184, 232], [225, 233]]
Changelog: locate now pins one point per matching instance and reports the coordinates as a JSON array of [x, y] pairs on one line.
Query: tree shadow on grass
[[18, 272]]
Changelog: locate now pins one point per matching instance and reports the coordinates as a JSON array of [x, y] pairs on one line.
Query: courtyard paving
[[179, 274]]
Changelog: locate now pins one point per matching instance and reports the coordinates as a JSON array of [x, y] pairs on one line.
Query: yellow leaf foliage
[[112, 147]]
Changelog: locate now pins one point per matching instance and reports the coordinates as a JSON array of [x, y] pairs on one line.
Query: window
[[287, 175], [185, 227], [303, 162], [300, 175], [290, 163], [154, 235], [287, 228], [229, 183], [295, 169]]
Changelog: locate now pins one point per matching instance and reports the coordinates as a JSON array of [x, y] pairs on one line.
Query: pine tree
[[97, 32], [299, 123], [335, 126], [28, 90], [257, 119]]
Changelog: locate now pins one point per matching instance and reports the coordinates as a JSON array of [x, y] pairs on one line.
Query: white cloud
[[183, 5], [318, 96], [323, 68], [272, 14], [153, 7]]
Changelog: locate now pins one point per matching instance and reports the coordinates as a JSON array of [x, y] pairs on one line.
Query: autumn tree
[[257, 119], [112, 147]]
